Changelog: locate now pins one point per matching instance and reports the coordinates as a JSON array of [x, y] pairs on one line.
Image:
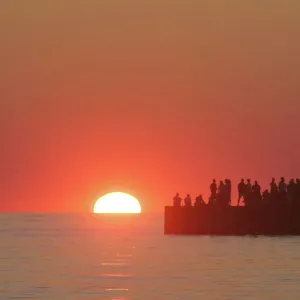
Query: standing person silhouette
[[297, 193], [188, 200], [213, 190], [273, 188], [228, 191], [282, 189], [256, 190], [177, 200], [241, 191], [291, 192], [248, 192], [222, 193]]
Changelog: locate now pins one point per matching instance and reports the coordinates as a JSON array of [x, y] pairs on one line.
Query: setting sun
[[117, 203]]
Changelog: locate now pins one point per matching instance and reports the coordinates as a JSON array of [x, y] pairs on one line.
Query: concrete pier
[[232, 220]]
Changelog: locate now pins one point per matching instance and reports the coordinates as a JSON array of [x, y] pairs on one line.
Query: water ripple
[[82, 257]]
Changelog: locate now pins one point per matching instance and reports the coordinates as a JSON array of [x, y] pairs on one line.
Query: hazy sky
[[150, 97]]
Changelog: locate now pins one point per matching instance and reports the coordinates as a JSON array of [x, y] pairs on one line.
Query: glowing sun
[[117, 203]]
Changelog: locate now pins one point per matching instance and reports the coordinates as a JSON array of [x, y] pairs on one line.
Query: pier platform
[[231, 220]]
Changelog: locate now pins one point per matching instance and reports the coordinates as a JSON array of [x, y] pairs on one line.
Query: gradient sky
[[149, 97]]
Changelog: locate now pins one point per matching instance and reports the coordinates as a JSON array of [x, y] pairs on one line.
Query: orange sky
[[150, 97]]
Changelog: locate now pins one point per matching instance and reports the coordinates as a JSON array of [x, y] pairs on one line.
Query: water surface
[[74, 256]]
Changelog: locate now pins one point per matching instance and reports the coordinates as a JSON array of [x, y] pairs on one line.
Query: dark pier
[[232, 220]]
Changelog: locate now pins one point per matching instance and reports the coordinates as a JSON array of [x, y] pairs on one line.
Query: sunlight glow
[[117, 202]]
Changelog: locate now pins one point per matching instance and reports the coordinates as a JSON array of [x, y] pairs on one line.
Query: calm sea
[[69, 256]]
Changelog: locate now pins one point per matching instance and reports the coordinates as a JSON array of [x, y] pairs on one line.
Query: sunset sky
[[149, 97]]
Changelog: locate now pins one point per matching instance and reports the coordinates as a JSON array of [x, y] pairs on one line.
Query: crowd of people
[[249, 194]]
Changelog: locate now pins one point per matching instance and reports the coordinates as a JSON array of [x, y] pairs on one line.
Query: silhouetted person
[[282, 189], [222, 193], [291, 192], [248, 192], [177, 200], [256, 189], [297, 194], [273, 188], [213, 190], [199, 201], [228, 191], [188, 200], [241, 191], [266, 197], [212, 201], [297, 189]]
